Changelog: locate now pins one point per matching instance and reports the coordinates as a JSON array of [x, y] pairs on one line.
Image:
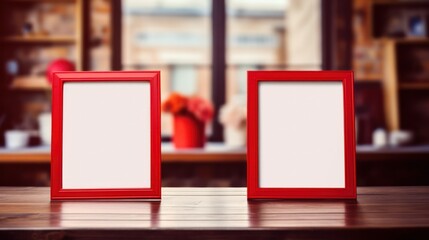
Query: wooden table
[[217, 213]]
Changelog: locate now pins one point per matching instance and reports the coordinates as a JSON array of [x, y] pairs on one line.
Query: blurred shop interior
[[204, 49]]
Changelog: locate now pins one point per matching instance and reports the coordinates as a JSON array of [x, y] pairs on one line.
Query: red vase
[[188, 132]]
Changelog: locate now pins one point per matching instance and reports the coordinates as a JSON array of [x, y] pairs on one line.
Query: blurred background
[[203, 49]]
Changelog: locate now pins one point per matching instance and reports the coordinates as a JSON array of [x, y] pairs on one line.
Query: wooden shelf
[[414, 86], [412, 41], [30, 83], [219, 153], [212, 153], [397, 2], [38, 39], [368, 78], [38, 1]]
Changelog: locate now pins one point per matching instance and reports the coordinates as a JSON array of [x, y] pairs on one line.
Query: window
[[270, 34], [184, 80], [173, 36]]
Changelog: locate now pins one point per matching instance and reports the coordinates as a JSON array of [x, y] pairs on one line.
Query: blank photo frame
[[301, 137], [105, 135]]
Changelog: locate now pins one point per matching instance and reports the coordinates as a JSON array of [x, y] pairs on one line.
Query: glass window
[[173, 36], [270, 34], [184, 80], [100, 35]]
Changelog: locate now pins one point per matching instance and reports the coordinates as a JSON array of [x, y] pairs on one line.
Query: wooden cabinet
[[403, 29], [38, 32], [406, 86], [33, 33]]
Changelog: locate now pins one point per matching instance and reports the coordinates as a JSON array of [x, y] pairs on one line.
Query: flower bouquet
[[190, 116]]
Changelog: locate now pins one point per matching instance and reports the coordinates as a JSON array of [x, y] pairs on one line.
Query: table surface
[[218, 213], [218, 152]]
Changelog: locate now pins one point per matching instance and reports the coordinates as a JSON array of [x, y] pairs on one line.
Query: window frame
[[333, 58]]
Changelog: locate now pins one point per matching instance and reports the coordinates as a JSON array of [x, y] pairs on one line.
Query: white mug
[[379, 137], [235, 137], [45, 124], [400, 137], [16, 139]]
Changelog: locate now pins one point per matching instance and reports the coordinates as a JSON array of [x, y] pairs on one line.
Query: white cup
[[235, 137], [379, 137], [16, 139], [400, 137], [45, 124]]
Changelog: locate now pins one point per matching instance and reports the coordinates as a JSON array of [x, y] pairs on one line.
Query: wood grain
[[390, 86], [166, 157], [38, 39], [216, 213]]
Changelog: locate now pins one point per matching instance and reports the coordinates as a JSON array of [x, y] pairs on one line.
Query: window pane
[[184, 80], [173, 36], [100, 35], [270, 34]]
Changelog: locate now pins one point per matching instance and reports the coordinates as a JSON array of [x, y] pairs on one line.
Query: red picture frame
[[254, 191], [57, 190]]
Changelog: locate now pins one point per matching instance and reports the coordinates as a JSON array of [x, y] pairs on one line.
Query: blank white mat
[[106, 135], [301, 134]]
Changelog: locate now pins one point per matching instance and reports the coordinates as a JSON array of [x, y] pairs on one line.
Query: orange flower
[[200, 108], [175, 104]]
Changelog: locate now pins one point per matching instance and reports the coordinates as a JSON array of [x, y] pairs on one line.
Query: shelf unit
[[405, 64], [37, 1], [393, 82], [33, 33], [37, 40], [30, 83], [414, 86]]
